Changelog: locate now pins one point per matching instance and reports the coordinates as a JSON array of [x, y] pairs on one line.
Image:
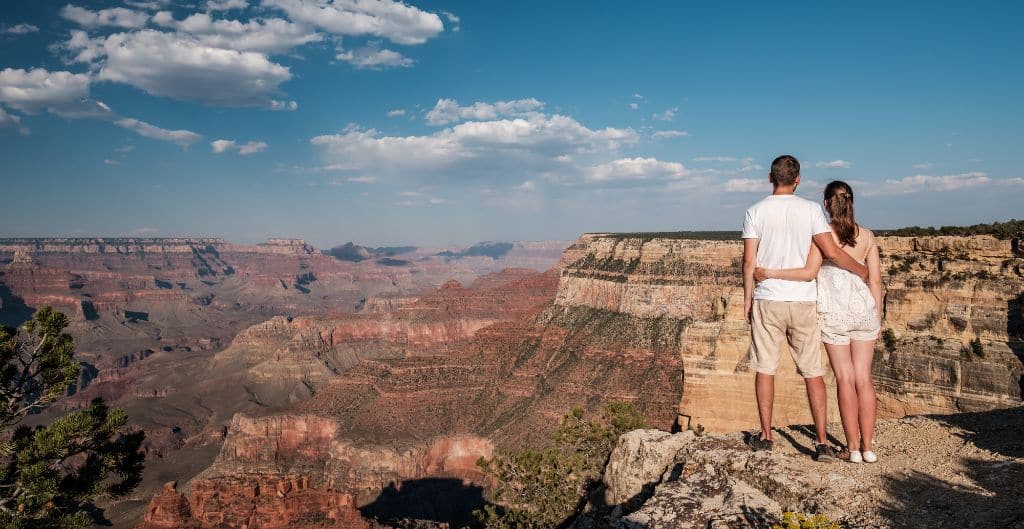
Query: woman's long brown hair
[[839, 203]]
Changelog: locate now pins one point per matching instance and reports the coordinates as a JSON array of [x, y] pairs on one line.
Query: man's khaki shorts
[[777, 322]]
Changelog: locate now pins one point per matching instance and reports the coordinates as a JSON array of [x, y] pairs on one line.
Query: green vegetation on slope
[[544, 488]]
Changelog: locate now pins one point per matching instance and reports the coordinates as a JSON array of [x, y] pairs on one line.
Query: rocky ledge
[[952, 471]]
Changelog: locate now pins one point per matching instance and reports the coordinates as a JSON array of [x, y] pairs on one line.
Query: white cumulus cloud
[[64, 93], [181, 67], [372, 57], [273, 35], [252, 147], [504, 148], [116, 17], [637, 169], [447, 111], [395, 21], [396, 113]]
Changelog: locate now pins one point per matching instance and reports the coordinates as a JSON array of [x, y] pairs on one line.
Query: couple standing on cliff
[[817, 280]]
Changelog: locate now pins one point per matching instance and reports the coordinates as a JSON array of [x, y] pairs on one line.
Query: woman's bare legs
[[840, 357], [862, 353]]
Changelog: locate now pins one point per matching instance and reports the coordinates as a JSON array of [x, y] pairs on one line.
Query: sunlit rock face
[[942, 293]]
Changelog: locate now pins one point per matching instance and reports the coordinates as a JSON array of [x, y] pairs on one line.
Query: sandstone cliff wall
[[942, 294]]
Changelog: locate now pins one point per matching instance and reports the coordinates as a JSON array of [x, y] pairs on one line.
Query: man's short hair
[[785, 169]]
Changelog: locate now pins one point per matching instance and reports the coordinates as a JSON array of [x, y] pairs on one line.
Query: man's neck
[[784, 190]]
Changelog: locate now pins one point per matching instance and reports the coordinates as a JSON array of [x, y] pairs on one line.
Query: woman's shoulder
[[865, 235]]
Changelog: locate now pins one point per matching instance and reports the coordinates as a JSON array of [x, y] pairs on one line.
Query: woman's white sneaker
[[855, 457], [870, 457]]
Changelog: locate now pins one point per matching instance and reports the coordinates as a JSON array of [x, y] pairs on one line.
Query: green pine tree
[[52, 474]]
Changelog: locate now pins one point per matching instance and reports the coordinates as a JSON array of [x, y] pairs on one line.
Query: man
[[777, 233]]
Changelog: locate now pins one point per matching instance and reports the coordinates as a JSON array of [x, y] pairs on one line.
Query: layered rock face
[[942, 294], [252, 502], [464, 371], [151, 319]]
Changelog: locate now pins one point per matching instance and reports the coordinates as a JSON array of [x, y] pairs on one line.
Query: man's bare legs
[[764, 390], [819, 407], [862, 353]]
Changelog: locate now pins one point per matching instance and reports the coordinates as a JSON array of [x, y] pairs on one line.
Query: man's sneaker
[[824, 453], [758, 443]]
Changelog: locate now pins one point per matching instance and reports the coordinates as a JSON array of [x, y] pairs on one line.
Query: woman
[[850, 313]]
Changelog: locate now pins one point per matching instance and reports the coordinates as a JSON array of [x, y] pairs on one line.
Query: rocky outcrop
[[942, 294], [941, 472], [637, 463]]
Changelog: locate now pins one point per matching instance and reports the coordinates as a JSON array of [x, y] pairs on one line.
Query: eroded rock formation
[[421, 387], [942, 294]]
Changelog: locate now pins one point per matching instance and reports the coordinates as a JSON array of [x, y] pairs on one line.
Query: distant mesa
[[494, 250]]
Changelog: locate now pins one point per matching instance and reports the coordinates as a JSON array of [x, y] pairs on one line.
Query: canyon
[[369, 398]]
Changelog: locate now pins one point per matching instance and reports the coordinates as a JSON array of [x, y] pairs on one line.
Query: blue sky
[[454, 122]]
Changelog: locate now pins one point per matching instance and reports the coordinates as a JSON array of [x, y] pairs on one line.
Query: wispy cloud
[[922, 182], [668, 115], [373, 57], [245, 149], [923, 166], [396, 113], [720, 159], [18, 29], [834, 164], [453, 19], [183, 138], [11, 120], [746, 185], [664, 134]]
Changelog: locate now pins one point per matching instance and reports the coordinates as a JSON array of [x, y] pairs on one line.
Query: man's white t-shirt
[[785, 225]]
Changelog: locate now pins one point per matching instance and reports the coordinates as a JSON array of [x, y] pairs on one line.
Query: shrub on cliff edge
[[793, 520], [544, 488], [52, 474]]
